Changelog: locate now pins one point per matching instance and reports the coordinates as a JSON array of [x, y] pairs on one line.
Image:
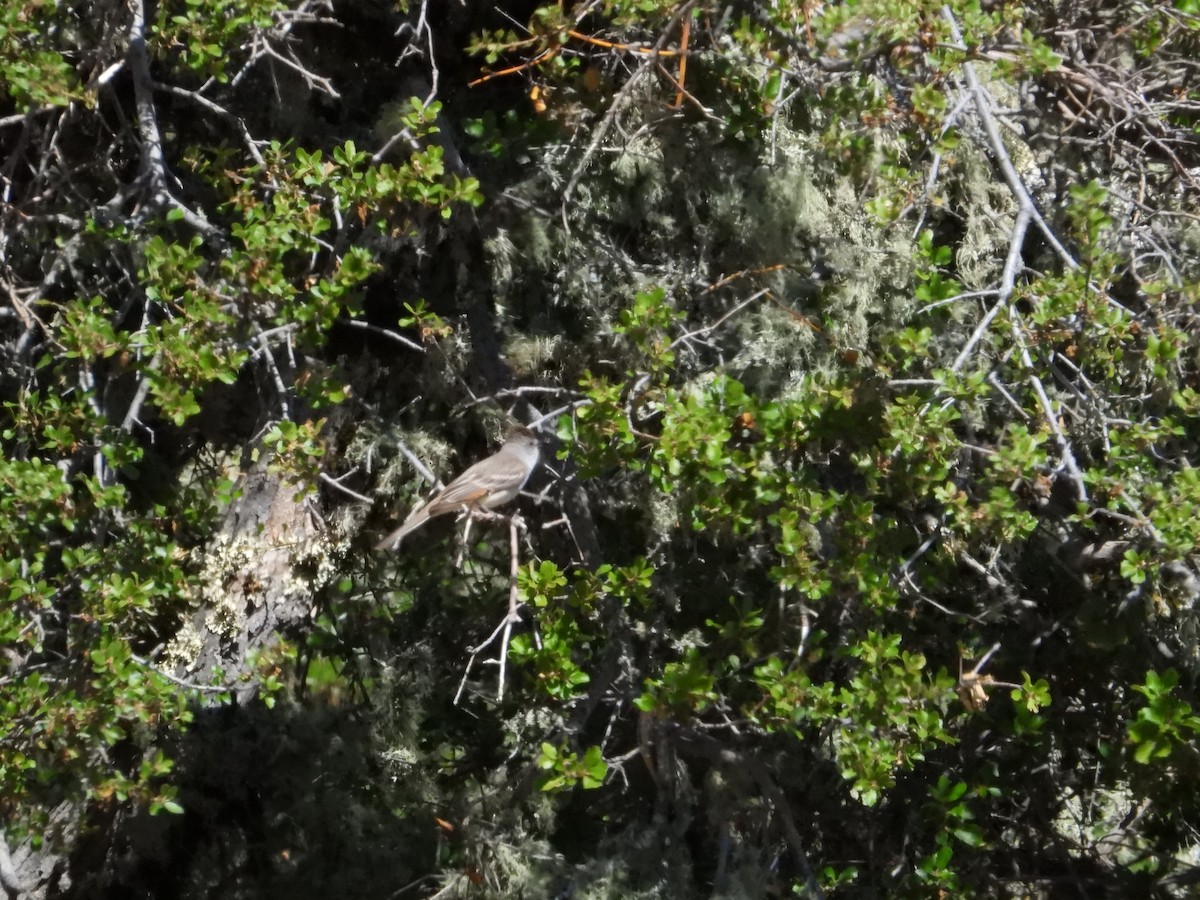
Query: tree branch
[[154, 165]]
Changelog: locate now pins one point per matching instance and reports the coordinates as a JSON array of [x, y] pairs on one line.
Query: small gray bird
[[489, 483]]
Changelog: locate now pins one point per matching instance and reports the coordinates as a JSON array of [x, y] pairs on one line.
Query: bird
[[489, 483]]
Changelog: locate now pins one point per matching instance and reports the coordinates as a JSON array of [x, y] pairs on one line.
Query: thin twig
[[220, 112], [1000, 153], [423, 470], [317, 82], [504, 630], [277, 377], [1007, 284], [965, 295], [189, 685], [139, 396], [707, 328], [334, 483], [994, 380], [555, 413], [384, 332], [623, 96], [514, 544], [1049, 416]]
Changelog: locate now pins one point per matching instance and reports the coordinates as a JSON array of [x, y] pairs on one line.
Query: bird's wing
[[458, 493], [496, 473]]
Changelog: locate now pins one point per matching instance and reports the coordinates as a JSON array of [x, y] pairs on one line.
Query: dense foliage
[[864, 340]]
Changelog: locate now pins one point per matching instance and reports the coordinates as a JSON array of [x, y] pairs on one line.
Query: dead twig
[[280, 388], [179, 682], [713, 325], [624, 95], [504, 629], [154, 164], [337, 485], [1000, 153], [220, 112], [384, 332], [1049, 416], [1007, 284]]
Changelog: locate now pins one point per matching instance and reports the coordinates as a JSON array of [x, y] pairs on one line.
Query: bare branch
[[983, 107], [384, 332], [624, 95], [154, 165], [335, 483], [707, 328], [1048, 414], [220, 112], [280, 388], [189, 685], [1007, 282], [139, 396]]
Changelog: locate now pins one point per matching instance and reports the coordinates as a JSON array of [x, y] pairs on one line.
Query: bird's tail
[[412, 523]]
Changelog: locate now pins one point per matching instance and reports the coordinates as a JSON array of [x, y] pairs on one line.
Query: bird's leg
[[471, 513]]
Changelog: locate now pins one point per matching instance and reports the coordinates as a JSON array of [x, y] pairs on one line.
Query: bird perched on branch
[[489, 483]]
